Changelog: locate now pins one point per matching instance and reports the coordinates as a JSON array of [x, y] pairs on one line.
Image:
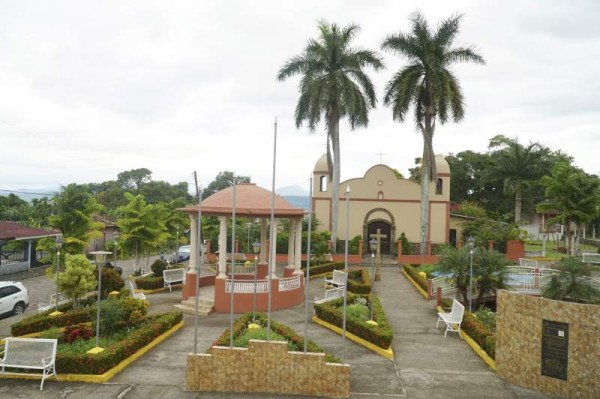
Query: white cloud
[[90, 89]]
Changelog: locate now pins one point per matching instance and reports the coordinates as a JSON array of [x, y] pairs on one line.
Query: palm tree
[[333, 85], [490, 273], [571, 283], [518, 166], [427, 83], [455, 262]]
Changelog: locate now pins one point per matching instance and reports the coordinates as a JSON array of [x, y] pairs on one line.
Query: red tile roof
[[16, 231]]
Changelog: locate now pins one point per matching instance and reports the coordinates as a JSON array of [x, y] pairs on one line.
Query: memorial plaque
[[555, 349]]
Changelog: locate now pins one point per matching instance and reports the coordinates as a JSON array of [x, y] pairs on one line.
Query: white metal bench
[[590, 257], [339, 279], [528, 262], [137, 295], [173, 276], [454, 318], [29, 354], [61, 300], [330, 294]]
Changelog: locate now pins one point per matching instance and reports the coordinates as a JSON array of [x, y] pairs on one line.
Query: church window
[[323, 184], [380, 195], [439, 186]]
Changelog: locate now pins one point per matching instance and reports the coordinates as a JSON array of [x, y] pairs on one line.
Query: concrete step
[[201, 302], [202, 310]]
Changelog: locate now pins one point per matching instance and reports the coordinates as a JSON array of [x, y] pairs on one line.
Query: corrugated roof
[[16, 231]]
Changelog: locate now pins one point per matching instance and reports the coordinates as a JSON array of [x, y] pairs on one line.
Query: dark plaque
[[555, 349]]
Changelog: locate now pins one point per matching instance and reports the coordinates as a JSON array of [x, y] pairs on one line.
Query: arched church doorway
[[386, 232]]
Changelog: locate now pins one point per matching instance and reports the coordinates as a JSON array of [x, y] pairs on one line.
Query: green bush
[[43, 321], [413, 272], [149, 282], [324, 268], [111, 281], [473, 327], [158, 266], [404, 244]]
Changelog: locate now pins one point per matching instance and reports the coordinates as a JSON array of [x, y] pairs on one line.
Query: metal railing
[[290, 283], [247, 286]]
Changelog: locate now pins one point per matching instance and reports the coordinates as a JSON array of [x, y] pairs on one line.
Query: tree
[[142, 227], [223, 180], [134, 178], [78, 278], [13, 208], [74, 209], [428, 84], [574, 196], [456, 263], [571, 283], [490, 273], [517, 166], [334, 85]]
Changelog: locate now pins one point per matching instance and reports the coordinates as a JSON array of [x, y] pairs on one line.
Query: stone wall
[[267, 367], [519, 344]]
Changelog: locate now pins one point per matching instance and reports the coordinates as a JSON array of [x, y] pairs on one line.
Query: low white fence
[[247, 286], [290, 283]]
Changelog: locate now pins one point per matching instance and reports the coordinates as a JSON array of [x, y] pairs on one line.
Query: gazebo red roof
[[251, 201], [16, 231]]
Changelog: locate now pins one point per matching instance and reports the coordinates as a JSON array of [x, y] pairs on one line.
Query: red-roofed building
[[15, 261]]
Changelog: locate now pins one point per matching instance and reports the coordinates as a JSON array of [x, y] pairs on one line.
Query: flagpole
[[272, 243]]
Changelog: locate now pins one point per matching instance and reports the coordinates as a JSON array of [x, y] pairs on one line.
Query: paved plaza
[[425, 365]]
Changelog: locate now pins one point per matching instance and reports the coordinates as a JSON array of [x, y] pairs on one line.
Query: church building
[[382, 200]]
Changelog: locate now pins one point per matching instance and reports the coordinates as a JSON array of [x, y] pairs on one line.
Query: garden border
[[102, 378], [387, 353], [417, 286]]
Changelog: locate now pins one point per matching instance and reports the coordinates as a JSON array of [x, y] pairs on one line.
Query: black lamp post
[[471, 244], [100, 259], [255, 249], [373, 247], [58, 243]]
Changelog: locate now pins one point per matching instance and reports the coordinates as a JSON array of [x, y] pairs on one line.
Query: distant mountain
[[294, 190], [299, 201], [29, 194]]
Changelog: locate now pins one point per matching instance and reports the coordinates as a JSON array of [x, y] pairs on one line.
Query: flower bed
[[295, 341], [414, 273], [380, 335], [474, 328]]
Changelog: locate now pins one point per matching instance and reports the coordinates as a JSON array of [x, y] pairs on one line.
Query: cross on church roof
[[381, 154]]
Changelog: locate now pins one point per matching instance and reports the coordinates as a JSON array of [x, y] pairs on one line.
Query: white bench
[[339, 279], [454, 318], [29, 354], [137, 295], [173, 276], [528, 262], [590, 257], [330, 295], [61, 300]]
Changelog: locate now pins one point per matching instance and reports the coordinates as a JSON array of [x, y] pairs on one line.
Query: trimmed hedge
[[480, 334], [149, 282], [83, 363], [359, 281], [324, 268], [241, 324], [380, 335], [413, 272]]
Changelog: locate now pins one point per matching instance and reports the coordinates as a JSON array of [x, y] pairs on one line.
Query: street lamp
[[373, 247], [471, 244], [177, 243], [58, 243], [116, 245], [100, 258], [255, 249]]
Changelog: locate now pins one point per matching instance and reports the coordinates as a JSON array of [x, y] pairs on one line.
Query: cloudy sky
[[89, 89]]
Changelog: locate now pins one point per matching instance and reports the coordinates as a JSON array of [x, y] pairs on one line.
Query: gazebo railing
[[247, 286], [290, 283]]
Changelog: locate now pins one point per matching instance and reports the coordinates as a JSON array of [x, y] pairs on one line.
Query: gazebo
[[249, 284]]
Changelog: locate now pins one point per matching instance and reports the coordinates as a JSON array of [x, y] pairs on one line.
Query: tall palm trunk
[[427, 170], [334, 132], [518, 204]]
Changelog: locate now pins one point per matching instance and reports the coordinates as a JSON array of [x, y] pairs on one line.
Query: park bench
[[330, 294], [137, 295], [590, 257], [452, 319], [173, 276], [52, 304], [338, 279], [29, 354]]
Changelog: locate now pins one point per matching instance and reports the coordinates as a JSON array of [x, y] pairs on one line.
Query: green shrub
[[324, 268], [404, 244], [149, 282], [111, 317], [158, 266], [473, 327], [111, 281], [261, 333], [77, 332], [413, 272], [43, 321]]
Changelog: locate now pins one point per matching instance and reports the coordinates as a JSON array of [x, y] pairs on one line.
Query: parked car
[[14, 298], [183, 253]]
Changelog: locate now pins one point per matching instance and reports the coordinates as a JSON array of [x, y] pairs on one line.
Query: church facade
[[380, 200]]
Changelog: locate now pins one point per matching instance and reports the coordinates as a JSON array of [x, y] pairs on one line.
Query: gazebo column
[[298, 251], [291, 233], [222, 247], [190, 289], [262, 262], [273, 249]]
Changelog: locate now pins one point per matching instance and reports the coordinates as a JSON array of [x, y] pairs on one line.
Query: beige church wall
[[519, 344], [438, 231], [322, 210]]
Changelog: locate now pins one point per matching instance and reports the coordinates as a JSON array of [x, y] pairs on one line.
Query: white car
[[183, 253], [14, 298]]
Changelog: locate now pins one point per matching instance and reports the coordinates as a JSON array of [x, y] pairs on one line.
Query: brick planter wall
[[267, 367]]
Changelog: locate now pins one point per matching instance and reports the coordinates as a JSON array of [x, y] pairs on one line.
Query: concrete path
[[425, 366]]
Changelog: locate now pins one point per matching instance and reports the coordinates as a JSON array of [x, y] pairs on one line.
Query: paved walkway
[[425, 366]]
